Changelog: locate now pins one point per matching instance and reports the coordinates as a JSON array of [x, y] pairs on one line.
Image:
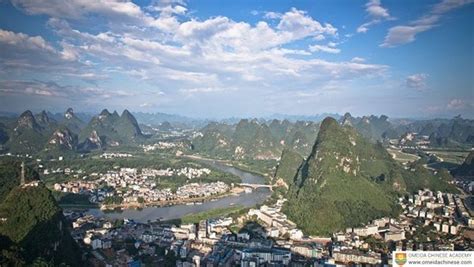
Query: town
[[128, 186], [428, 221]]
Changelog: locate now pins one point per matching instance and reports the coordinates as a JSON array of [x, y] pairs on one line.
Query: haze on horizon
[[242, 58]]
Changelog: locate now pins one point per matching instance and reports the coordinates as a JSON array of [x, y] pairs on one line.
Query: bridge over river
[[255, 186]]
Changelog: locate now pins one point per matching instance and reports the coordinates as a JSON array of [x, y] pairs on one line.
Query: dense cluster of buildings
[[276, 223], [161, 145], [429, 221], [207, 243], [115, 155], [265, 237], [132, 186]]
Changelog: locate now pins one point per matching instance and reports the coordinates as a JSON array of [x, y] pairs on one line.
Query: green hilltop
[[112, 129], [32, 227], [347, 180]]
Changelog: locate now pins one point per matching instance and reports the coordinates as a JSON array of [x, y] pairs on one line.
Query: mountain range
[[32, 133], [253, 139]]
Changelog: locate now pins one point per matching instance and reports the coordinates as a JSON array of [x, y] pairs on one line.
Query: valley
[[348, 172]]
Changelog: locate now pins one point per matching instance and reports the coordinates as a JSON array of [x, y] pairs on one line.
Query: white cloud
[[201, 90], [300, 25], [399, 35], [20, 51], [375, 9], [53, 89], [417, 81], [376, 12], [77, 8], [198, 56], [358, 59], [404, 34], [457, 104], [324, 48], [24, 41], [272, 15]]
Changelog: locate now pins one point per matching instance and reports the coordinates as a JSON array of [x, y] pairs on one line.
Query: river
[[144, 215]]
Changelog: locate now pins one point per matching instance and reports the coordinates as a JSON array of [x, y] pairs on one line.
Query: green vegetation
[[214, 213], [420, 177], [35, 223], [256, 140], [371, 127], [110, 129], [10, 169], [71, 200], [259, 167], [113, 200], [348, 181], [288, 166]]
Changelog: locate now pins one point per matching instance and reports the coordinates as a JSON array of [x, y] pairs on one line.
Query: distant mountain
[[110, 129], [44, 121], [155, 119], [92, 142], [27, 135], [71, 121], [371, 127], [253, 139], [348, 180], [295, 118], [215, 140], [32, 133], [455, 132], [33, 226], [63, 139]]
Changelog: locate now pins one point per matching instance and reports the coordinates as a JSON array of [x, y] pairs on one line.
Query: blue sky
[[207, 58]]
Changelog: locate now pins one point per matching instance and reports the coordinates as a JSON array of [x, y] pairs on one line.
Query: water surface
[[257, 196]]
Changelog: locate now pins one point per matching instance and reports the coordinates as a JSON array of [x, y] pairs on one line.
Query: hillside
[[33, 225], [10, 175], [347, 181], [288, 167], [467, 168]]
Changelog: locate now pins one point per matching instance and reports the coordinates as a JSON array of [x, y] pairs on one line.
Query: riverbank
[[230, 163], [237, 190], [145, 214]]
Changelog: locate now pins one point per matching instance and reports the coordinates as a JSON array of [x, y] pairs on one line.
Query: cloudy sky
[[403, 58]]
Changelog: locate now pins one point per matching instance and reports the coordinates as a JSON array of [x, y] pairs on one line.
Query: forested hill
[[32, 229], [347, 181]]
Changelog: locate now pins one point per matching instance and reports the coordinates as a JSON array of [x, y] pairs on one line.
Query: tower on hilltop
[[22, 176]]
